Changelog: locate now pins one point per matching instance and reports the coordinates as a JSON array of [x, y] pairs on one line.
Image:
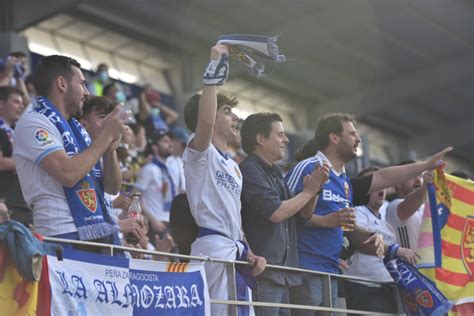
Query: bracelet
[[392, 251]]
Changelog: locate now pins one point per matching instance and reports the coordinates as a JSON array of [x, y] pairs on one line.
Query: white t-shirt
[[213, 186], [157, 191], [383, 210], [35, 138], [176, 170], [367, 266], [408, 231]]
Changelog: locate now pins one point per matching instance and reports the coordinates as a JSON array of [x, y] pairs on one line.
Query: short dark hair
[[259, 123], [18, 54], [108, 88], [153, 140], [101, 66], [29, 79], [368, 170], [100, 104], [49, 69], [6, 91], [191, 108], [329, 123]]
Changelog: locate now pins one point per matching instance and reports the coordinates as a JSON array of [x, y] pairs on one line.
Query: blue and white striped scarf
[[86, 197], [8, 130], [241, 45]]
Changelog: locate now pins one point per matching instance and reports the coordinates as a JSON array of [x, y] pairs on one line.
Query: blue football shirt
[[319, 248]]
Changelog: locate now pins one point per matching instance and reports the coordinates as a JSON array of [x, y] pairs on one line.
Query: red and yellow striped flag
[[455, 209]]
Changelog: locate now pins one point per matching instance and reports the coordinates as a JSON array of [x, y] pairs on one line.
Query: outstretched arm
[[390, 176]]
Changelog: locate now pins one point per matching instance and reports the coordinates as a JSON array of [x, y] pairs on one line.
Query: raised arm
[[208, 103], [171, 115], [112, 176], [390, 176], [413, 201]]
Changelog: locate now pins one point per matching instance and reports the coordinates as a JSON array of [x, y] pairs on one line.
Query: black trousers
[[375, 299]]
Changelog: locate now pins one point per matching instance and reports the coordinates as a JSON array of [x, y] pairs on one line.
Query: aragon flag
[[446, 242]]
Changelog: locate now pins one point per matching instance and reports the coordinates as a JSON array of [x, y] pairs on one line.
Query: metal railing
[[230, 266]]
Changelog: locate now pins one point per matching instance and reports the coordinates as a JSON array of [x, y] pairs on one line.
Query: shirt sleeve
[[36, 137], [295, 177], [362, 217], [391, 215], [360, 189], [258, 192]]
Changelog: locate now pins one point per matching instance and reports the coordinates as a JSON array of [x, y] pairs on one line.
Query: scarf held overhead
[[86, 197], [264, 47]]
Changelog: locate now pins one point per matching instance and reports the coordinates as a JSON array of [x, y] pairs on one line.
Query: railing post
[[327, 293], [232, 287], [400, 309]]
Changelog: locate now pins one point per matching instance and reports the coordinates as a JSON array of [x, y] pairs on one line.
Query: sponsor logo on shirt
[[329, 196], [227, 181], [42, 138]]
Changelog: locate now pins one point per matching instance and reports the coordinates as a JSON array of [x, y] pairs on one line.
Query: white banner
[[91, 284]]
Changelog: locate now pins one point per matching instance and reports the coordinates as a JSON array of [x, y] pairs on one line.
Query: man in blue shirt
[[320, 239]]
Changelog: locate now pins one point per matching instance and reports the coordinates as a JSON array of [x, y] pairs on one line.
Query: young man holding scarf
[[58, 163], [214, 184]]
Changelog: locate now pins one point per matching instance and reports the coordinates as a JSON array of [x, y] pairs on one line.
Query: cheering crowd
[[72, 163]]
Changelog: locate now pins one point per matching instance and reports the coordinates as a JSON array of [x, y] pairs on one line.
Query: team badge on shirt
[[346, 190], [164, 187], [87, 196], [43, 138], [238, 173]]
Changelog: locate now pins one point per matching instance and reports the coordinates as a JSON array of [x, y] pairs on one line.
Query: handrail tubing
[[232, 262], [297, 306], [201, 258]]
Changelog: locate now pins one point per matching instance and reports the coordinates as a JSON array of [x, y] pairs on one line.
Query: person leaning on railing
[[368, 296], [269, 210], [320, 239]]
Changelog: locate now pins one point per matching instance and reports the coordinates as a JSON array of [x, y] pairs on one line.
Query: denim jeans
[[311, 292], [271, 292]]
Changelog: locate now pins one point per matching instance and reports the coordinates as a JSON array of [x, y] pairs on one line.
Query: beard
[[78, 113], [347, 153], [73, 105], [165, 153]]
